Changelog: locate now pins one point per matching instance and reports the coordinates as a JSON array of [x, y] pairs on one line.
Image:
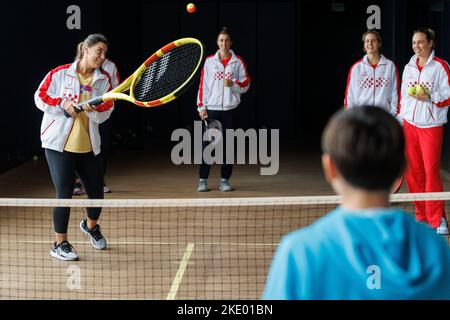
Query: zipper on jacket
[[374, 85], [417, 101], [223, 87]]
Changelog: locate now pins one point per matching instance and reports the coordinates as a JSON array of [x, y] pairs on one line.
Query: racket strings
[[168, 73]]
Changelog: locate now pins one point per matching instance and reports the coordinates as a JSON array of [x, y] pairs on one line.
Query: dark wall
[[35, 39], [330, 44], [298, 55], [257, 28]]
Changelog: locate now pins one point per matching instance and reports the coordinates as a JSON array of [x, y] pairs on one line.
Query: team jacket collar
[[413, 61], [233, 56], [381, 62], [72, 71]]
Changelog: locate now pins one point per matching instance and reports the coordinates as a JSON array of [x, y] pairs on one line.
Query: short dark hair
[[225, 30], [429, 33], [367, 146]]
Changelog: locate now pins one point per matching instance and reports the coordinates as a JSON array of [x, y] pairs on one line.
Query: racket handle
[[78, 109], [93, 102]]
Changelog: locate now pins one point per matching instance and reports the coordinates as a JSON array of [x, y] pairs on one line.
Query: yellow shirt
[[79, 140]]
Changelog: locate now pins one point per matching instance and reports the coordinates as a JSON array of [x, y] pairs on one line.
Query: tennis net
[[157, 249]]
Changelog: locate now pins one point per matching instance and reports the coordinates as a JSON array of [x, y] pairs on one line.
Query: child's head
[[365, 146]]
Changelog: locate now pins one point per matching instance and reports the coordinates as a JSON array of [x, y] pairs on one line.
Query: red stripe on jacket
[[108, 104], [247, 80], [117, 71], [445, 103], [46, 84], [348, 82], [200, 95]]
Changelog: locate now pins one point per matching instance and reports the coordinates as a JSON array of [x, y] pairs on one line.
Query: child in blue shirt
[[364, 249]]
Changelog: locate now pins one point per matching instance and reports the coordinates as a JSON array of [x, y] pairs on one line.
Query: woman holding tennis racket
[[373, 80], [73, 143], [105, 128], [223, 79]]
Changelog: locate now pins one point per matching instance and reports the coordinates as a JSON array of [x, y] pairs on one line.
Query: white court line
[[179, 276], [145, 243]]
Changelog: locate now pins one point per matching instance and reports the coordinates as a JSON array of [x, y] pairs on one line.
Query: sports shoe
[[443, 227], [202, 185], [63, 251], [78, 190], [225, 185], [97, 239], [106, 189]]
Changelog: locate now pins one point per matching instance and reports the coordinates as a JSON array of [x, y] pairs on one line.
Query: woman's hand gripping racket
[[213, 130], [163, 77]]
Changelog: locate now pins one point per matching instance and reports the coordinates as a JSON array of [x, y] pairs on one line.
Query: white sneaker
[[98, 241], [443, 227], [63, 251], [225, 185], [202, 185], [78, 190]]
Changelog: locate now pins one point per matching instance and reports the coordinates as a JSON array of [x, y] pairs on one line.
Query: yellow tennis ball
[[191, 8], [419, 89], [411, 91]]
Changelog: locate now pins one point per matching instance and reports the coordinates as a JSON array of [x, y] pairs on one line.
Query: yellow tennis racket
[[162, 78]]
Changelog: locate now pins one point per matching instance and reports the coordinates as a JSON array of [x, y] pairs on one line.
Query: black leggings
[[105, 129], [227, 120], [62, 167]]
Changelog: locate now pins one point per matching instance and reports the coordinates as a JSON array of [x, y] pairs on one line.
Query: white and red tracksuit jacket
[[435, 76], [369, 86], [62, 84], [212, 94], [110, 67]]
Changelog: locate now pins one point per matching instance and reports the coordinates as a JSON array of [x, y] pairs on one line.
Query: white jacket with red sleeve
[[369, 86], [212, 95], [435, 77], [110, 67], [62, 84]]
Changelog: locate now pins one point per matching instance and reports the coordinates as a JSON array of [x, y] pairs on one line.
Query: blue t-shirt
[[363, 254]]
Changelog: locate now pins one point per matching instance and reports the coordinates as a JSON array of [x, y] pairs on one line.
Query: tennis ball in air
[[35, 158], [419, 89], [411, 91], [191, 8]]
